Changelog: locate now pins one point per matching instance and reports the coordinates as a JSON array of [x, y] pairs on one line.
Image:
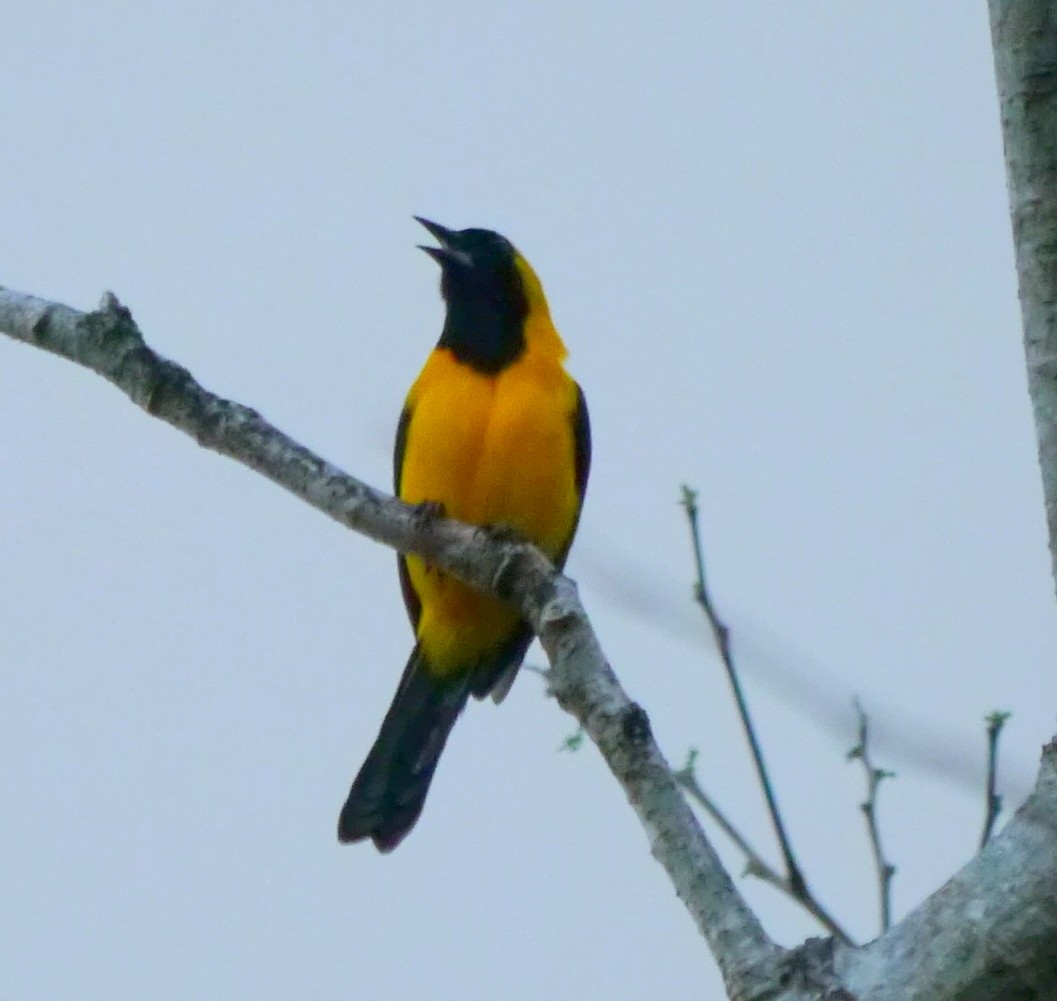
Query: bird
[[494, 432]]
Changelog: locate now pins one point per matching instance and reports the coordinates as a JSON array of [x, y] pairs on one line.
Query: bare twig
[[721, 634], [995, 721], [874, 777], [755, 864]]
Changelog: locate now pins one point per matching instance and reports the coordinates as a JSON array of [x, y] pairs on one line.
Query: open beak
[[447, 252]]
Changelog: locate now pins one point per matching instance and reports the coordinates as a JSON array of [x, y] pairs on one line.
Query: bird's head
[[490, 291]]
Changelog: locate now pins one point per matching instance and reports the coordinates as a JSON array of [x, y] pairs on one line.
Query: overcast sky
[[775, 239]]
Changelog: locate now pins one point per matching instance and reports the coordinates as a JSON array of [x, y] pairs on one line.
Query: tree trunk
[[1024, 34]]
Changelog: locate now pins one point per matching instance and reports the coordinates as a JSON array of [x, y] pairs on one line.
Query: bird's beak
[[442, 234], [447, 252]]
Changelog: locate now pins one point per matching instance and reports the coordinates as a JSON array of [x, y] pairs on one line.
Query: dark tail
[[390, 790]]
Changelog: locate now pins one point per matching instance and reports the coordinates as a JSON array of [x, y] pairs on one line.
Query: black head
[[482, 284]]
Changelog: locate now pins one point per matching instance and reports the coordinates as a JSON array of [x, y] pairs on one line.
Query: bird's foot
[[426, 512], [502, 533]]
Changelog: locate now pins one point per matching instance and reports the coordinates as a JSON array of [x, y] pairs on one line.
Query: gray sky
[[776, 242]]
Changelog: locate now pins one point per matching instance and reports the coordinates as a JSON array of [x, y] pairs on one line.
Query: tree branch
[[755, 864], [794, 877], [993, 806], [1024, 36], [721, 635], [874, 777], [989, 932], [109, 343]]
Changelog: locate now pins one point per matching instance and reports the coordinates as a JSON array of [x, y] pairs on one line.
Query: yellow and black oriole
[[496, 431]]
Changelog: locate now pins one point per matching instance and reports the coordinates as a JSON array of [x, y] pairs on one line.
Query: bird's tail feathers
[[389, 792]]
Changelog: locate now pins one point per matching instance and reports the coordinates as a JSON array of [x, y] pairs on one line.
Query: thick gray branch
[[1024, 34], [109, 343], [990, 932], [588, 689]]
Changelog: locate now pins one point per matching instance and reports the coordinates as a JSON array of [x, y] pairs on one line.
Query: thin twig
[[755, 864], [794, 882], [874, 778], [721, 634], [995, 721]]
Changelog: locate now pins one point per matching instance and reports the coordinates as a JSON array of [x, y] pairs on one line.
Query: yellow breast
[[495, 450]]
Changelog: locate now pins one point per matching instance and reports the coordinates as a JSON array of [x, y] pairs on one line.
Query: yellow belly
[[495, 450]]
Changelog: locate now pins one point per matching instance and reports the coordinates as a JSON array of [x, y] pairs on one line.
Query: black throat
[[485, 322]]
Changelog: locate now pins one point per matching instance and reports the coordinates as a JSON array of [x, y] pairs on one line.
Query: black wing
[[582, 458]]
